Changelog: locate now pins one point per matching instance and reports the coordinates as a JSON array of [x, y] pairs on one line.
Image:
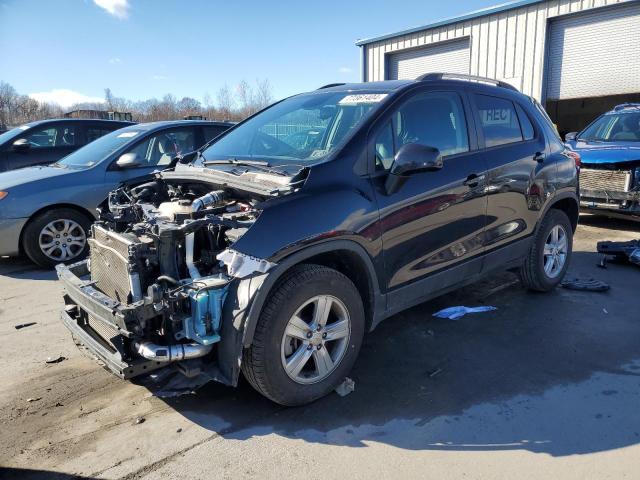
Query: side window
[[162, 147], [55, 136], [212, 132], [435, 119], [94, 133], [525, 123], [498, 120], [384, 148]]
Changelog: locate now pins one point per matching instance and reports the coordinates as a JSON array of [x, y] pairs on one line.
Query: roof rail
[[622, 106], [430, 77], [329, 85]]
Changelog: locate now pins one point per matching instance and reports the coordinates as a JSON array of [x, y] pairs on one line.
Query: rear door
[[47, 144], [435, 222], [93, 130], [514, 149]]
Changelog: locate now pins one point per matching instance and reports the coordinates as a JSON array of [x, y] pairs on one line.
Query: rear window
[[498, 120]]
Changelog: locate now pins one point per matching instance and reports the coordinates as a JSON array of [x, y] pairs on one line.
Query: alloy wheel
[[555, 251], [315, 339]]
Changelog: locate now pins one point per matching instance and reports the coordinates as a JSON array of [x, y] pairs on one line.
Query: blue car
[[46, 211], [609, 149]]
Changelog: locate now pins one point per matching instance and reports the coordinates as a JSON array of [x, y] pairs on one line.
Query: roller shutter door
[[595, 54], [449, 57]]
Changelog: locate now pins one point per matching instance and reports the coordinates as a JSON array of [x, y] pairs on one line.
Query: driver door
[[432, 227]]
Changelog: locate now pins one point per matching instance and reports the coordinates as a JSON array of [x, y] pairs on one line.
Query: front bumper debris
[[623, 202], [103, 325]]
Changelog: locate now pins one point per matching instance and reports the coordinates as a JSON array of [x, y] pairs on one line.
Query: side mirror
[[570, 136], [412, 158], [128, 160], [22, 145]]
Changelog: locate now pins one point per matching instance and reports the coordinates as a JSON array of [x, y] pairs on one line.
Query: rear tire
[[287, 335], [66, 226], [549, 257]]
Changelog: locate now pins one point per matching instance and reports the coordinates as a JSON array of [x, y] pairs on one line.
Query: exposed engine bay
[[164, 246]]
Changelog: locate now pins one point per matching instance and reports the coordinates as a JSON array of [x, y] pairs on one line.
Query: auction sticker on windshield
[[362, 98]]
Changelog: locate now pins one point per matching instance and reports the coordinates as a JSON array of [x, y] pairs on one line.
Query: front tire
[[56, 236], [549, 257], [307, 337]]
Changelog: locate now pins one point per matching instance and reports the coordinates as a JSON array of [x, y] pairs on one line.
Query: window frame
[[58, 126], [482, 145], [128, 148], [388, 115]]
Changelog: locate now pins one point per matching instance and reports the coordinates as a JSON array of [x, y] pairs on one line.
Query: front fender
[[248, 296]]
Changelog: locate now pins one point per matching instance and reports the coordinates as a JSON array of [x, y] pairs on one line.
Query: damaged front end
[[611, 186], [160, 274]]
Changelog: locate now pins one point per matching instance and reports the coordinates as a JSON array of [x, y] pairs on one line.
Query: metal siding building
[[580, 57]]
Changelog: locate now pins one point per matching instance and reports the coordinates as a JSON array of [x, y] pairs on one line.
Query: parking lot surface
[[547, 386]]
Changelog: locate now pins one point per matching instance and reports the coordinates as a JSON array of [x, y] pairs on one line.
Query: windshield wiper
[[257, 164]]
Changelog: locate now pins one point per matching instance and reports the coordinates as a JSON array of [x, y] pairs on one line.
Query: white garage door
[[595, 54], [449, 57]]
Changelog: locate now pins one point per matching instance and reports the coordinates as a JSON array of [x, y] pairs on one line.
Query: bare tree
[[231, 104]]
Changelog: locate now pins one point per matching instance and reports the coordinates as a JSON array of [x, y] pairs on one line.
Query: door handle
[[539, 157], [473, 180]]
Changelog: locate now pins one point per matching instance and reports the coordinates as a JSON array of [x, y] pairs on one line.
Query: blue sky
[[146, 48]]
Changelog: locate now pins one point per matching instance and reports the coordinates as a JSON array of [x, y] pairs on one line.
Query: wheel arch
[[345, 256], [569, 204]]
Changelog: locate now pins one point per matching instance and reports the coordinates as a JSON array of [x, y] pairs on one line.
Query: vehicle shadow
[[28, 474], [22, 268], [550, 373]]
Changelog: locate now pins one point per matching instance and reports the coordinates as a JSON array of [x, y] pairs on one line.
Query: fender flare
[[271, 278]]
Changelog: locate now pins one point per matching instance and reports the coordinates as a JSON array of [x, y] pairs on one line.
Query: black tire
[[262, 363], [532, 272], [31, 235]]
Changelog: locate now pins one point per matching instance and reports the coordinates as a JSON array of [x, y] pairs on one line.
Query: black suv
[[276, 248], [47, 141]]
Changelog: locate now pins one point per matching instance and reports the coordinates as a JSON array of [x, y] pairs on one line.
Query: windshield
[[9, 135], [96, 151], [614, 127], [302, 129]]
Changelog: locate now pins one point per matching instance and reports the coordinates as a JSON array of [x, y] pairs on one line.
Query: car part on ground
[[588, 285], [621, 251]]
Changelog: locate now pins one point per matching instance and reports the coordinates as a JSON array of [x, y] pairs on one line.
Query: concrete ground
[[547, 386]]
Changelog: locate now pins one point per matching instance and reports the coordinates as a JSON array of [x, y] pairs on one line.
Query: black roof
[[394, 85], [79, 120]]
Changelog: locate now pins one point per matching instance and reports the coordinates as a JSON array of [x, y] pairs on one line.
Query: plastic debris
[[588, 285], [24, 325], [346, 387], [454, 313], [55, 359], [140, 420], [35, 399]]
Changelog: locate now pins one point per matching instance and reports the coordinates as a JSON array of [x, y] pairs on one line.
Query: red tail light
[[576, 157]]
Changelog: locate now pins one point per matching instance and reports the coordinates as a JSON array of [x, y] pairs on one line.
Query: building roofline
[[461, 18]]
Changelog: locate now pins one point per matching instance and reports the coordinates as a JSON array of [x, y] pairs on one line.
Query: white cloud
[[345, 70], [117, 8], [115, 60], [64, 97], [158, 77]]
